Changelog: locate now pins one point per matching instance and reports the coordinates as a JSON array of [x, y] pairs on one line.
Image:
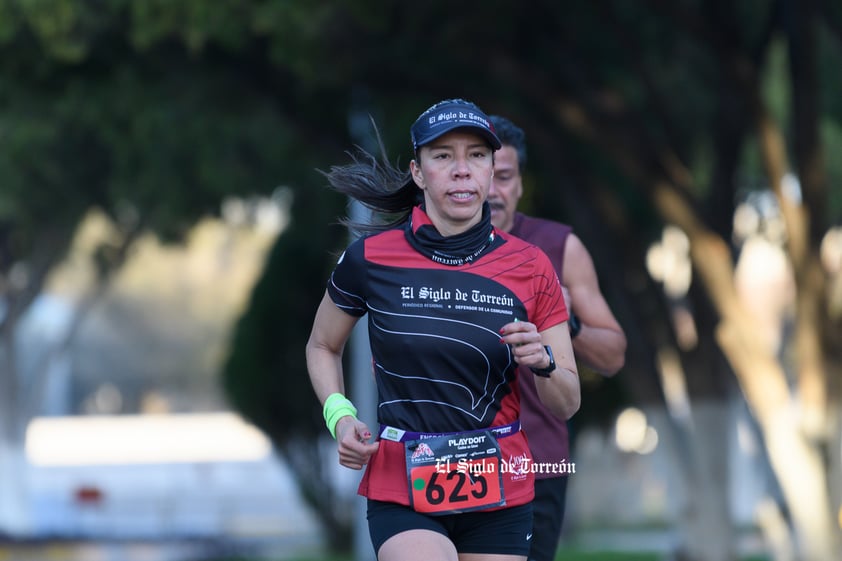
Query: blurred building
[[163, 477]]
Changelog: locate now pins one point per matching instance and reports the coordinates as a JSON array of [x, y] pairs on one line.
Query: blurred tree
[[640, 115], [152, 112], [264, 375], [646, 115]]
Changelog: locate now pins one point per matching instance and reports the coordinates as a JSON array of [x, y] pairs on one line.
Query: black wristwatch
[[545, 372], [574, 324]]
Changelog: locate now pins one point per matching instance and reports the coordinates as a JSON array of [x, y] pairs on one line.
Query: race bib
[[454, 473]]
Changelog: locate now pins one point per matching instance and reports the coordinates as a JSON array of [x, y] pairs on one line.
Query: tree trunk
[[314, 471], [707, 529], [14, 504], [14, 496], [802, 476], [798, 465]]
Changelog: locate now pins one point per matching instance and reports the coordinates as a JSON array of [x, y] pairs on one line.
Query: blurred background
[[165, 238]]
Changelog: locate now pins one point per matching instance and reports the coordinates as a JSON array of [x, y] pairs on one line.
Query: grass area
[[326, 558], [577, 555], [564, 555], [573, 555]]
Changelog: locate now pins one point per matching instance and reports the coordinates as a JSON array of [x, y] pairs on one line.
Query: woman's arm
[[331, 330]]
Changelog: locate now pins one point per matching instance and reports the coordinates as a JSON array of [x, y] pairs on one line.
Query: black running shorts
[[504, 531]]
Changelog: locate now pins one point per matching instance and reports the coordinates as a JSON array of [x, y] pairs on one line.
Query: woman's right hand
[[352, 437]]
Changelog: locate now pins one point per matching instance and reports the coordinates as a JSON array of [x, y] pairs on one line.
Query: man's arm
[[601, 342]]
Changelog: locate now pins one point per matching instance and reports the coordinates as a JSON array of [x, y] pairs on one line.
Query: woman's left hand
[[526, 343]]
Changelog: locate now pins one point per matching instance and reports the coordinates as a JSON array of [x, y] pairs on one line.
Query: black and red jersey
[[435, 341]]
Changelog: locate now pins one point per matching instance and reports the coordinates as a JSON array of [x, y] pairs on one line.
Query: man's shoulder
[[549, 235], [540, 231], [524, 223]]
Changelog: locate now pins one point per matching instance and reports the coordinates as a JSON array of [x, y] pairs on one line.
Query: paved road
[[87, 551], [146, 550], [183, 511]]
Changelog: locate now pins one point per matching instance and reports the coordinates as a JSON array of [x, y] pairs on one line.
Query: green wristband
[[337, 406]]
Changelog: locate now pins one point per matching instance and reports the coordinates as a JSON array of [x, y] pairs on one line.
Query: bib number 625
[[436, 492]]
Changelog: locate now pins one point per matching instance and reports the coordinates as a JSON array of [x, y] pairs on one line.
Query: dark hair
[[511, 135], [390, 193]]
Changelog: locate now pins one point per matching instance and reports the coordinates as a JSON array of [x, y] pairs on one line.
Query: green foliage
[[196, 23], [576, 555], [99, 107], [266, 375]]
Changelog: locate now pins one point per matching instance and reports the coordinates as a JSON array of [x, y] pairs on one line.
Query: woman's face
[[454, 171]]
